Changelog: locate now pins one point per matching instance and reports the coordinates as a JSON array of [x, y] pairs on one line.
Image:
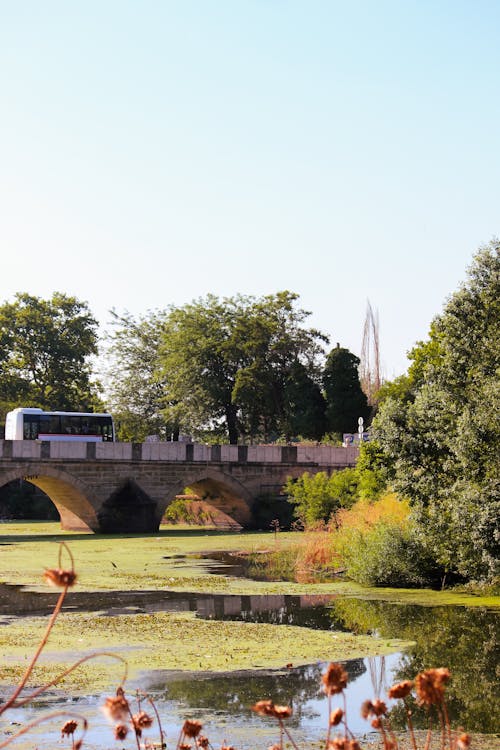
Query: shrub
[[364, 514], [387, 554], [185, 510], [317, 496]]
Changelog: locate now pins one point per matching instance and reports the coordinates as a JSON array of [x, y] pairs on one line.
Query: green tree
[[136, 389], [316, 497], [304, 410], [46, 348], [227, 364], [345, 401], [372, 471], [442, 435]]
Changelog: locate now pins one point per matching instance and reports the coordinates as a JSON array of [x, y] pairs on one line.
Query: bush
[[183, 510], [317, 496], [387, 554]]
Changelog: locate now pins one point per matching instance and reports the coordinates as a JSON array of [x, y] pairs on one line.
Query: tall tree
[[136, 390], [46, 348], [345, 401], [227, 362], [442, 432], [277, 388], [304, 405]]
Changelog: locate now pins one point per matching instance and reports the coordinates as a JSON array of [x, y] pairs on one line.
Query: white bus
[[36, 424]]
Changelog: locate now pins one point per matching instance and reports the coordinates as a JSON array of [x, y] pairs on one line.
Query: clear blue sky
[[152, 152]]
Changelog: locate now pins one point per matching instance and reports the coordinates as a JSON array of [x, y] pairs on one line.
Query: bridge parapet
[[316, 455]]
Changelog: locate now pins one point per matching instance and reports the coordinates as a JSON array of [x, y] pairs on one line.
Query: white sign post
[[360, 429]]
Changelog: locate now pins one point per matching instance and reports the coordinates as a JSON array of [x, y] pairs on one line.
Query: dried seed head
[[121, 731], [338, 743], [373, 708], [69, 727], [184, 746], [282, 712], [192, 728], [336, 717], [274, 747], [265, 708], [59, 577], [463, 742], [401, 689], [430, 684], [354, 745], [376, 723], [202, 741], [366, 709], [117, 707], [334, 679], [379, 707], [142, 720]]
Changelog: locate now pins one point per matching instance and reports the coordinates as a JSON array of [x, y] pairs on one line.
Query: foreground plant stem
[[10, 702], [95, 655], [41, 719]]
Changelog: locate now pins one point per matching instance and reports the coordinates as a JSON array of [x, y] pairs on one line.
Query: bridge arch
[[69, 494], [218, 489]]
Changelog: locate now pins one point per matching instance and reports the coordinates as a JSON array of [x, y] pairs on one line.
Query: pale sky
[[153, 152]]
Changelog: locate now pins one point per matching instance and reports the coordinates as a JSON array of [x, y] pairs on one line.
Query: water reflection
[[230, 695], [465, 640], [222, 703], [278, 609]]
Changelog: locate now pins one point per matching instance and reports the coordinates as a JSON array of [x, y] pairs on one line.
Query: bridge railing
[[326, 455]]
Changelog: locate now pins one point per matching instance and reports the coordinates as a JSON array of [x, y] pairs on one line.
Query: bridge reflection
[[306, 611]]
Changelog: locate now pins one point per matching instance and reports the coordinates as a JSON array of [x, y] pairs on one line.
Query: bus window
[[50, 424], [70, 425], [107, 430], [30, 427]]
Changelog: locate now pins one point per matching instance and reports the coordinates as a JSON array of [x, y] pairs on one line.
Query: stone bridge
[[126, 487]]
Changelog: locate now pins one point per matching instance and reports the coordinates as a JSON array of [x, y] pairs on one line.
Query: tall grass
[[372, 543]]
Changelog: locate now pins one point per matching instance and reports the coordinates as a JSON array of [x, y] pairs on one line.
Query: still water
[[465, 640]]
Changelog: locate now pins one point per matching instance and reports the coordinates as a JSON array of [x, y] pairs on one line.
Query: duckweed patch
[[176, 641], [167, 560]]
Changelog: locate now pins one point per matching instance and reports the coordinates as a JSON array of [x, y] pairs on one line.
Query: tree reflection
[[464, 640], [235, 692]]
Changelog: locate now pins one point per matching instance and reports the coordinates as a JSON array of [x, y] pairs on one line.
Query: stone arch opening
[[23, 500], [219, 491], [67, 494], [128, 510]]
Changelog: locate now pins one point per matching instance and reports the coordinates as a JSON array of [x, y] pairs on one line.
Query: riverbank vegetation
[[435, 447], [372, 543]]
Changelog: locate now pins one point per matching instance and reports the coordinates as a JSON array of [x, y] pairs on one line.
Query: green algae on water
[[175, 641]]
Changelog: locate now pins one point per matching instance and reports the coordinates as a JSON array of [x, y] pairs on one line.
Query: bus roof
[[36, 410]]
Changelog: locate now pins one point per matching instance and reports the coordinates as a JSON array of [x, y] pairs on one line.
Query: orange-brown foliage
[[365, 514], [318, 549]]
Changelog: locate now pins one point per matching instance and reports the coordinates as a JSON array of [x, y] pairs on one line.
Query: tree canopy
[[345, 401], [231, 366], [135, 387], [46, 348], [233, 369], [440, 426]]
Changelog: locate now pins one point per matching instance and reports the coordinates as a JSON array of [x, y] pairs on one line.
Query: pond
[[464, 639]]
